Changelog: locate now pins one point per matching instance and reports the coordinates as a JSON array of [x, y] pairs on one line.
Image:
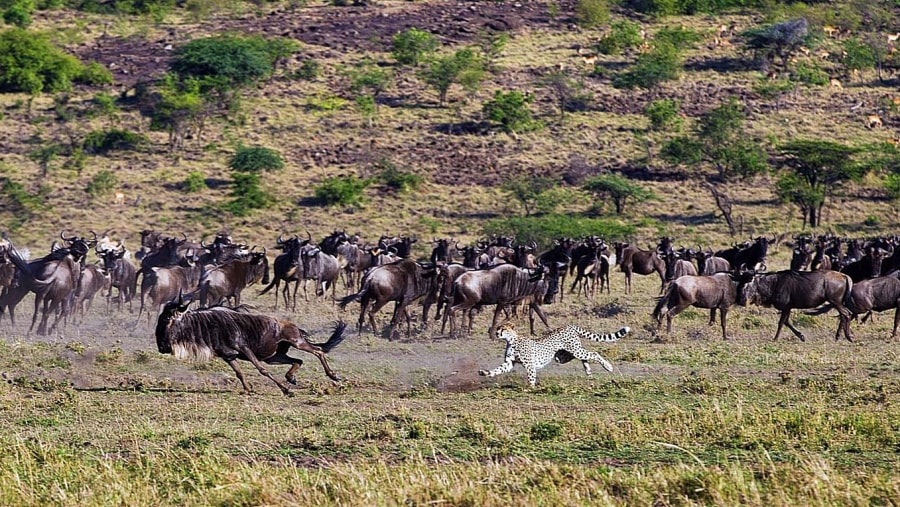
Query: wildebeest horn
[[280, 240], [308, 235], [184, 236], [62, 236], [204, 245], [265, 251], [457, 247], [533, 245], [180, 296]]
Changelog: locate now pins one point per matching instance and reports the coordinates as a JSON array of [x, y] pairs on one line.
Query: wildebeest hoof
[[289, 394], [291, 380]]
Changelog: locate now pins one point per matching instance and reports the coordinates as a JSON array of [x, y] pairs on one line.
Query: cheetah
[[562, 345]]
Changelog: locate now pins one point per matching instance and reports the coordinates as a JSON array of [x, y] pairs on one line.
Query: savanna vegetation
[[707, 121]]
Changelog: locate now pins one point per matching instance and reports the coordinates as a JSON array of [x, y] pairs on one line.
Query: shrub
[[662, 63], [892, 185], [247, 194], [528, 189], [590, 13], [545, 228], [463, 67], [308, 71], [21, 203], [102, 183], [810, 75], [858, 55], [30, 63], [18, 14], [103, 141], [398, 180], [255, 159], [623, 35], [94, 74], [343, 190], [411, 46], [194, 182], [229, 61], [663, 114], [618, 188], [679, 37], [780, 40], [510, 110]]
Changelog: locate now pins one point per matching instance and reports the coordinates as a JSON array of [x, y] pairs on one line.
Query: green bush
[[623, 35], [102, 183], [18, 14], [858, 55], [94, 74], [21, 203], [545, 228], [230, 61], [256, 159], [663, 114], [247, 194], [619, 189], [343, 190], [662, 63], [308, 71], [678, 37], [194, 182], [30, 63], [100, 142], [810, 75], [398, 180], [892, 185], [153, 7], [411, 46], [591, 13], [463, 67], [510, 110]]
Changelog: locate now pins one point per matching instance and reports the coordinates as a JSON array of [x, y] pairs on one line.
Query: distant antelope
[[830, 30], [893, 38], [590, 60], [836, 84], [120, 198]]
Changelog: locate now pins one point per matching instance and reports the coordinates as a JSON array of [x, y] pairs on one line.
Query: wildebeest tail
[[822, 309], [268, 287], [662, 301], [337, 336], [346, 300], [848, 294]]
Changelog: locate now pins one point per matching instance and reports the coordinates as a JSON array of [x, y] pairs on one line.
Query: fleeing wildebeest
[[718, 291], [321, 268], [287, 268], [404, 282], [504, 286], [164, 284], [53, 279], [92, 281], [786, 290], [234, 335], [221, 283], [122, 276]]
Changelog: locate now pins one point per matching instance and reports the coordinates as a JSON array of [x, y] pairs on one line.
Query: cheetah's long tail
[[606, 337]]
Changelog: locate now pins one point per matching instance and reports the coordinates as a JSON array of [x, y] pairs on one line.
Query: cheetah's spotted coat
[[563, 345]]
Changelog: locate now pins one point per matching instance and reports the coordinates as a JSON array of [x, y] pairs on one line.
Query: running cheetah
[[563, 345]]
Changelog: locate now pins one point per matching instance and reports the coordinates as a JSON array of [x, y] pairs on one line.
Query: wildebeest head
[[171, 312]]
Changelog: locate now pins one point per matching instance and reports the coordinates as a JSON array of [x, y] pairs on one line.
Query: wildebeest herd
[[854, 276]]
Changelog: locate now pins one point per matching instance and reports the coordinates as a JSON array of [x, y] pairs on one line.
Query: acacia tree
[[528, 190], [814, 170], [463, 67], [618, 188], [721, 151]]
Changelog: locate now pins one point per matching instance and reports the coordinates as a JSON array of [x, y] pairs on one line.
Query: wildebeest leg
[[537, 309], [240, 375], [299, 343], [492, 331], [372, 311], [263, 371], [896, 320], [712, 317], [294, 297], [843, 323], [671, 313], [282, 357], [37, 306], [786, 321], [722, 313]]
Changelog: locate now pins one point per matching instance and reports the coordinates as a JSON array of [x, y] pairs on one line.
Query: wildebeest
[[164, 284], [751, 257], [404, 282], [801, 257], [873, 295], [868, 266], [708, 264], [504, 286], [92, 281], [643, 262], [715, 292], [53, 279], [286, 268], [442, 252], [122, 276], [234, 335], [560, 258], [230, 279], [786, 290], [321, 268], [678, 264]]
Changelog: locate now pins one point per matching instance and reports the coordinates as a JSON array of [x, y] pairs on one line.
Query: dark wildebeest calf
[[786, 290], [718, 291], [643, 262], [234, 335]]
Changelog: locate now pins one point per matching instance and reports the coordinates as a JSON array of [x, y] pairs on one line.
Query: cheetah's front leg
[[503, 368]]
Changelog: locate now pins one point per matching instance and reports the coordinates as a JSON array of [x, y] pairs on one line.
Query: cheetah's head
[[507, 331]]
